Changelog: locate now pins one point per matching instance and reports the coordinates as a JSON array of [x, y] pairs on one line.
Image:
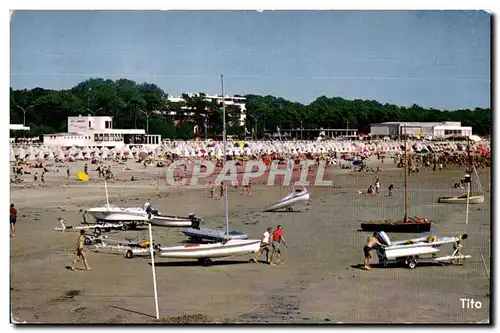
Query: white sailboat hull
[[170, 221], [118, 214], [476, 199], [288, 201], [233, 247]]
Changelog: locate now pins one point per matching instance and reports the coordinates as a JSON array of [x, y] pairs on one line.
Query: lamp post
[[93, 112], [24, 112], [146, 113]]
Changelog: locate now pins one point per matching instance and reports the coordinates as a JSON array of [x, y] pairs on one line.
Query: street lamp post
[[94, 112], [147, 113], [24, 112]]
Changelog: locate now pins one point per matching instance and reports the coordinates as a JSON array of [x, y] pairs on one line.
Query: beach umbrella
[[82, 176]]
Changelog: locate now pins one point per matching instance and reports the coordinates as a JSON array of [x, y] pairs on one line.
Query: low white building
[[18, 127], [99, 132], [439, 130]]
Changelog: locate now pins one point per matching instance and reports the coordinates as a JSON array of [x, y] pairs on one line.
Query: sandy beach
[[321, 280]]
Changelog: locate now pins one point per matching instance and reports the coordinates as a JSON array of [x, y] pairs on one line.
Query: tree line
[[145, 105]]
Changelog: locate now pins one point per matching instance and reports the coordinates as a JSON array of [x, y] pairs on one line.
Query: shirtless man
[[370, 243], [79, 253]]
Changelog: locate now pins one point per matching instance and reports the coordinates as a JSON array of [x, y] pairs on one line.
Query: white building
[[99, 132], [440, 130], [229, 100], [18, 127]]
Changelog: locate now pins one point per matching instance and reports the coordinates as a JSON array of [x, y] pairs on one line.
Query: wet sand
[[320, 281]]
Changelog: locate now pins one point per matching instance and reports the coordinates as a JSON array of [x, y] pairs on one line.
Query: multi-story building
[[229, 100]]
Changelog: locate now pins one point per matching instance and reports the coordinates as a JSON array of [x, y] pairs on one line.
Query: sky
[[438, 59]]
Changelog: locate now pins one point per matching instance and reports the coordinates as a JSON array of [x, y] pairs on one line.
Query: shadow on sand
[[132, 311], [397, 265], [282, 211], [196, 263]]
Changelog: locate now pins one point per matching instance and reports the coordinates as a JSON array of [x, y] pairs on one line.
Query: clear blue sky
[[437, 59]]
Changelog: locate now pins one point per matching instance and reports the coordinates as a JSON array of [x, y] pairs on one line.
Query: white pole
[[151, 250], [106, 188], [467, 212], [226, 214]]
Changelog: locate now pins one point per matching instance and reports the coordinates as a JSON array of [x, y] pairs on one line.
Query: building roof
[[419, 123]]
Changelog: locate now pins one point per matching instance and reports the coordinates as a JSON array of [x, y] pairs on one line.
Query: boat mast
[[226, 219], [405, 218]]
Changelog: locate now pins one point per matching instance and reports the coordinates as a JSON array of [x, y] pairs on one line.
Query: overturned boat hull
[[213, 234], [230, 248], [293, 198], [476, 199]]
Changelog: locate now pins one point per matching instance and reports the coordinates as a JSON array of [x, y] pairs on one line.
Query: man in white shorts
[[264, 246]]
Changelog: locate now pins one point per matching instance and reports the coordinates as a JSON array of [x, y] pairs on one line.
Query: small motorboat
[[298, 195], [411, 225], [411, 251]]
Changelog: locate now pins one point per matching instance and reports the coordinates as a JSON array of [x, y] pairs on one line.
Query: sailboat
[[225, 248], [467, 197], [407, 224]]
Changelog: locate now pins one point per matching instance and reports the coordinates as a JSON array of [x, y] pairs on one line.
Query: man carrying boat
[[371, 242], [264, 246]]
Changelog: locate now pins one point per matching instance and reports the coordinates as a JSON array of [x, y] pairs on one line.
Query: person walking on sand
[[13, 219], [377, 186], [264, 246], [79, 252], [277, 238], [391, 189], [368, 248]]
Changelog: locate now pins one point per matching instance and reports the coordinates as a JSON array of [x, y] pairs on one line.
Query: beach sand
[[321, 280]]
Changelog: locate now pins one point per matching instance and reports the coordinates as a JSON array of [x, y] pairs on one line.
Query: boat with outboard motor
[[411, 251]]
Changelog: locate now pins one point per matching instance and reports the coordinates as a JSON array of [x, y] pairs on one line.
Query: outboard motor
[[195, 222]]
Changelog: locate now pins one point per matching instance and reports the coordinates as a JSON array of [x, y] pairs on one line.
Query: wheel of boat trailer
[[124, 227], [87, 241], [412, 263], [206, 262], [289, 209], [97, 230], [129, 254]]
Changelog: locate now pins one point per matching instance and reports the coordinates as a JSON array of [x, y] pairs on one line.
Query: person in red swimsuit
[[13, 219], [277, 238]]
